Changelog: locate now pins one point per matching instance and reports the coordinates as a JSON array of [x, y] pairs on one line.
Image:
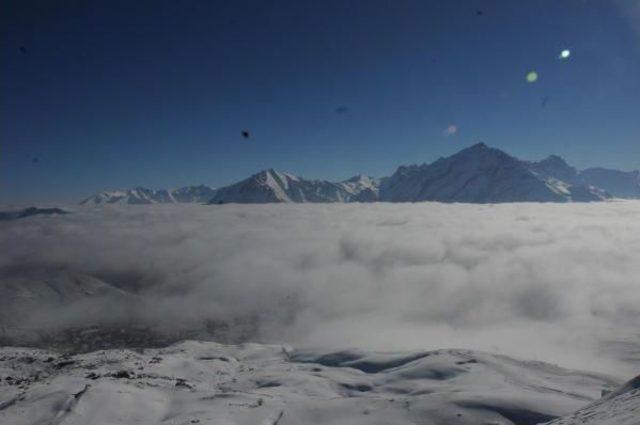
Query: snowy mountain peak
[[276, 186], [480, 155], [361, 188], [360, 182], [554, 166], [555, 159], [476, 174], [275, 175], [358, 178], [270, 172], [478, 146], [482, 174]]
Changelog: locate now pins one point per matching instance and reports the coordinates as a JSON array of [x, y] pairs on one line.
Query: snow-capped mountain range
[[478, 174], [273, 186], [141, 195]]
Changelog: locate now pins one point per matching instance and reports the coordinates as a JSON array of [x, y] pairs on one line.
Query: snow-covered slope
[[620, 184], [480, 174], [620, 407], [274, 186], [207, 383], [30, 296], [141, 195], [565, 180], [599, 181]]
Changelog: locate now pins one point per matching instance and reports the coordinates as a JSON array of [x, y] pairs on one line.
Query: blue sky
[[113, 94]]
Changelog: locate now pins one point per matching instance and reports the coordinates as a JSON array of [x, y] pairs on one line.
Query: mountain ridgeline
[[478, 174], [140, 195], [273, 186]]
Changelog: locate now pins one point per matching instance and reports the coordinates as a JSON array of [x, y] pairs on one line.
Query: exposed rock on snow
[[197, 382]]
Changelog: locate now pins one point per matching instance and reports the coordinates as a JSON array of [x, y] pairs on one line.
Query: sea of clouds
[[553, 282]]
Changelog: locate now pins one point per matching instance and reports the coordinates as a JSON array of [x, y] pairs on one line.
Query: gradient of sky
[[114, 94]]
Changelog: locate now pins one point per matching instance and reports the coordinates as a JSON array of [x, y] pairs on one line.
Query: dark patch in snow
[[268, 384], [517, 415], [356, 361], [362, 388]]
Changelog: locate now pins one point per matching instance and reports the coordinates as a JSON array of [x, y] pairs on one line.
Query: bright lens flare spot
[[565, 54], [451, 130], [532, 77]]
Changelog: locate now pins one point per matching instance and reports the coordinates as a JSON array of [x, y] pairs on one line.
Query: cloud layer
[[555, 282]]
